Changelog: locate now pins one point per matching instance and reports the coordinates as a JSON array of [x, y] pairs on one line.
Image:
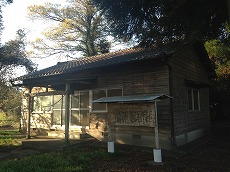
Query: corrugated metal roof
[[132, 98], [102, 60]]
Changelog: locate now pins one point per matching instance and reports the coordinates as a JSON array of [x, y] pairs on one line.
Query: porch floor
[[54, 144]]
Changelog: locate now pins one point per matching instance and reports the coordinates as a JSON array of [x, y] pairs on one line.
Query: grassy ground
[[212, 156], [68, 161], [10, 137]]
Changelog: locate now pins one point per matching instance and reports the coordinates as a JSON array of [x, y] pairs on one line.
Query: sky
[[15, 17]]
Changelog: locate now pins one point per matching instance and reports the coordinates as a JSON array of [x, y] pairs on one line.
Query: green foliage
[[80, 27], [13, 54], [153, 21], [70, 161], [2, 116], [219, 53], [10, 100]]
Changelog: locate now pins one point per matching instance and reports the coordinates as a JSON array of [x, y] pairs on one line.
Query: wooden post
[[156, 127], [67, 101], [62, 110], [29, 115], [157, 150]]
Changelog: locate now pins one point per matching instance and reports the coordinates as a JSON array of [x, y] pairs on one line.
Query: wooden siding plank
[[186, 65]]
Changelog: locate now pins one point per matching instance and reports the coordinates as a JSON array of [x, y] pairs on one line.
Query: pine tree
[[80, 27]]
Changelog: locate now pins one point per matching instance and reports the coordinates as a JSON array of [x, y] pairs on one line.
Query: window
[[80, 105], [96, 95], [193, 99], [55, 104], [79, 108], [58, 110], [51, 103], [102, 107], [42, 103]]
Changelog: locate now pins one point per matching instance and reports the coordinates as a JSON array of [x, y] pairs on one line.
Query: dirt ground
[[213, 155]]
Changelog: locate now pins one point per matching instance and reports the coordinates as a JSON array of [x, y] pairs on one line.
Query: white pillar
[[157, 155], [111, 146], [110, 140]]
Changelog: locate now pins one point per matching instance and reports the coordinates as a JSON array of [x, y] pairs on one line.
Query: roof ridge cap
[[102, 55]]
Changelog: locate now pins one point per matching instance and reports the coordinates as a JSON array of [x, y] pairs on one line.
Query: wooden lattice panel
[[138, 114]]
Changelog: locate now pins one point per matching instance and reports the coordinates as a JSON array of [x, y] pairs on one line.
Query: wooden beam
[[79, 81], [58, 80], [67, 102], [49, 93]]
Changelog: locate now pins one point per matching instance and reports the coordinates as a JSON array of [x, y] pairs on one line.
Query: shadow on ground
[[212, 155]]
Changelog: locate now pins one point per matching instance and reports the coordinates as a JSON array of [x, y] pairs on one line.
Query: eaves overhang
[[132, 98]]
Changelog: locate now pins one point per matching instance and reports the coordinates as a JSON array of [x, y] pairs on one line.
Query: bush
[[9, 120]]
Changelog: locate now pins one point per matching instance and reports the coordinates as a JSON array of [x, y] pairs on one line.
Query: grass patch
[[9, 144], [63, 162], [10, 136], [10, 133], [10, 139]]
